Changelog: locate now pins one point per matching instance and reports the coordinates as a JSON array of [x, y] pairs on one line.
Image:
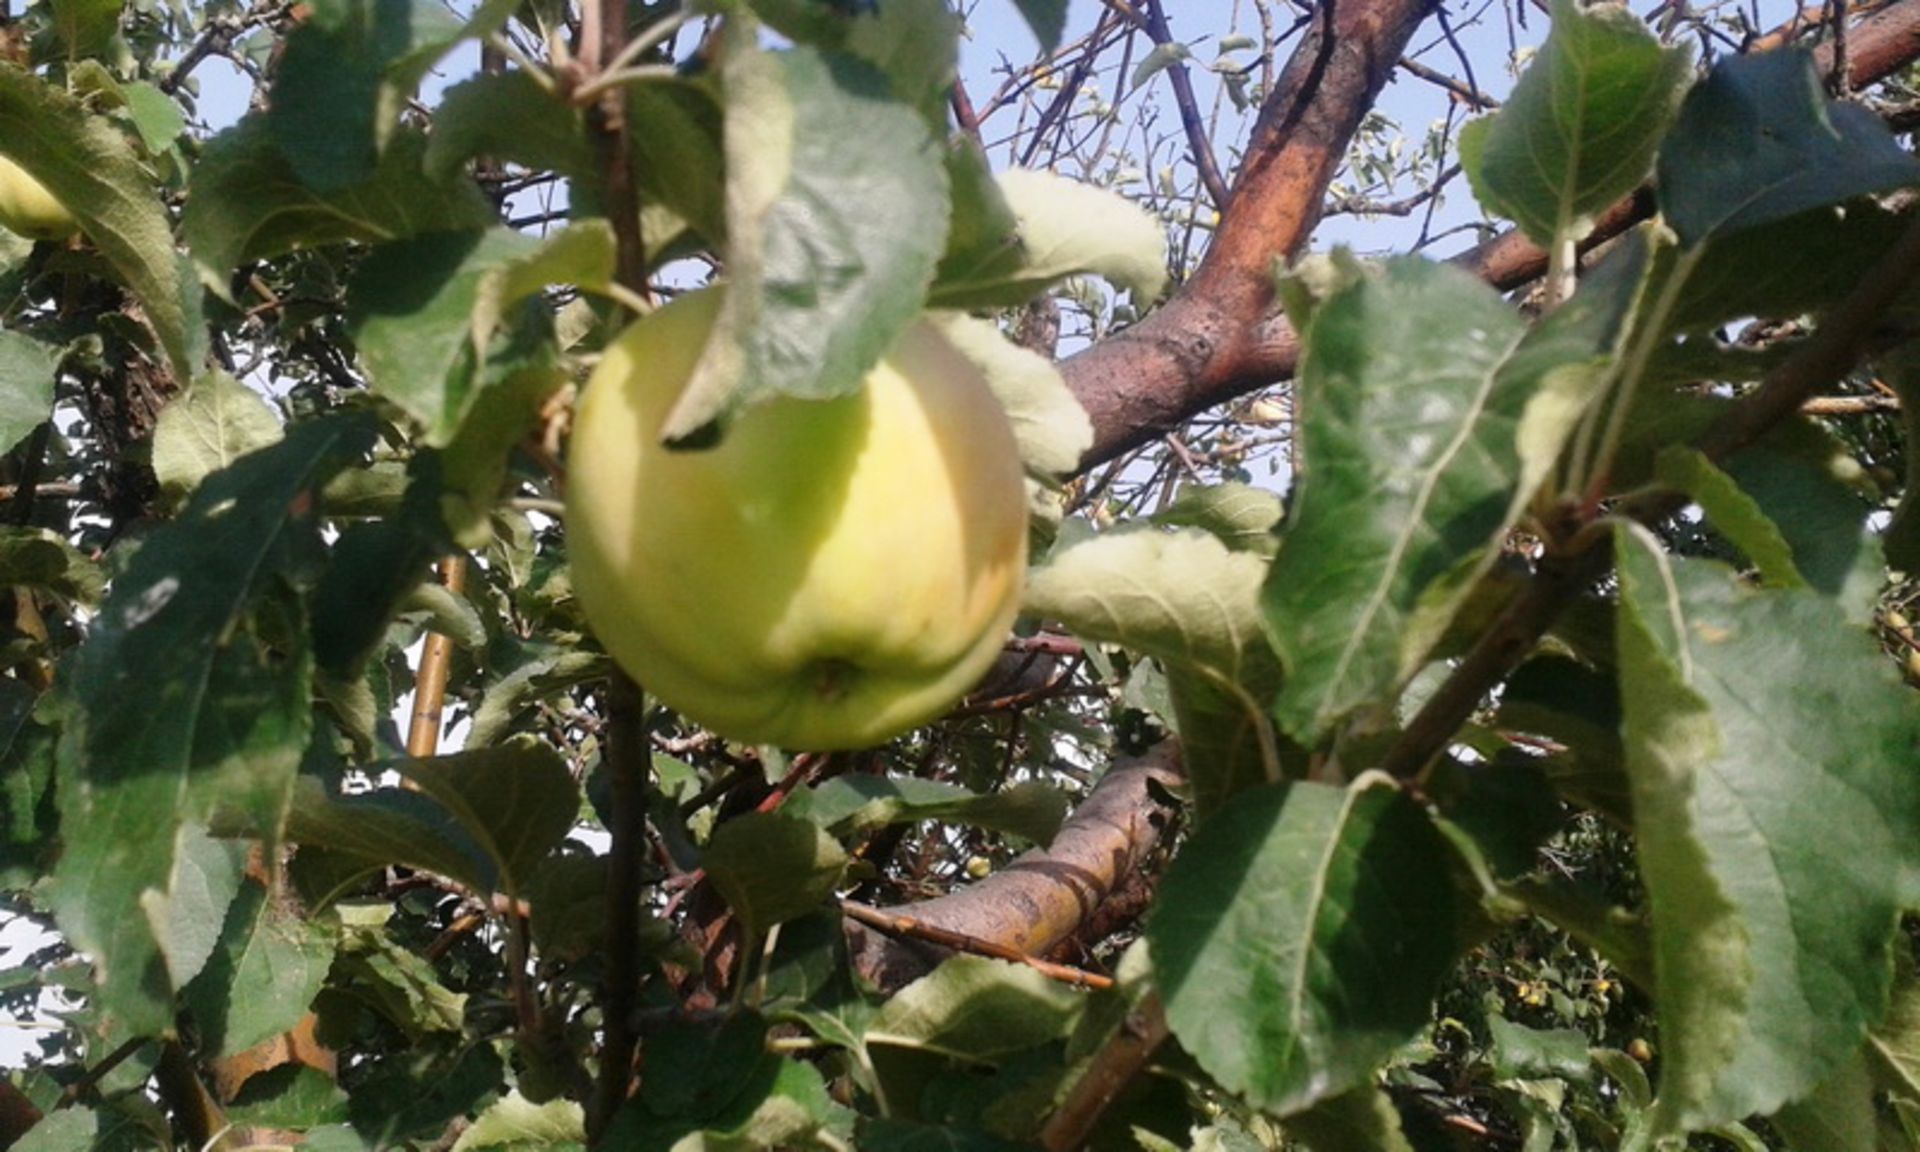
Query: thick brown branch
[[1218, 337], [1043, 897], [1206, 344]]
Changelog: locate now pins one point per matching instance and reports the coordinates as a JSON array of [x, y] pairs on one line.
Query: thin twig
[[896, 925], [1183, 98]]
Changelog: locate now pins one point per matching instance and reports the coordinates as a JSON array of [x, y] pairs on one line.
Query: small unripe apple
[[832, 574], [26, 207]]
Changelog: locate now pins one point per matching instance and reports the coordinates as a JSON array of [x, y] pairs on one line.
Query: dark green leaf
[[85, 27], [1047, 18], [833, 230], [27, 368], [224, 715], [291, 1096], [1759, 141], [245, 203], [1408, 439], [1301, 935], [389, 825], [269, 965], [516, 801], [1732, 512], [1363, 1120], [91, 169], [414, 1093], [771, 867], [1772, 933], [39, 559], [861, 804]]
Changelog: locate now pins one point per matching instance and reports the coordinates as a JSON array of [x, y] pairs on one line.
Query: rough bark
[[1043, 897]]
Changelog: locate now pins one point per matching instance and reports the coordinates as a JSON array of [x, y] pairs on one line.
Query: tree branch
[[1042, 898], [1218, 337]]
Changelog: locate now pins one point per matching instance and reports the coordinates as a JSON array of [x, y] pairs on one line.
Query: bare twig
[[895, 924], [1198, 145]]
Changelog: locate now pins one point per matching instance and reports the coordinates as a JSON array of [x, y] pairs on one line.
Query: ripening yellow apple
[[26, 207], [834, 573]]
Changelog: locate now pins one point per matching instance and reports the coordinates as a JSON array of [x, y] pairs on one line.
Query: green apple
[[834, 573], [26, 207]]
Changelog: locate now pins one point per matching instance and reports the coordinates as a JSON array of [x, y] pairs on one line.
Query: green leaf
[[292, 1096], [836, 214], [861, 804], [1734, 513], [91, 169], [545, 676], [1163, 57], [1837, 1117], [413, 1094], [1902, 372], [976, 1009], [1363, 1120], [679, 155], [345, 74], [1064, 228], [416, 310], [374, 567], [1049, 424], [206, 428], [224, 716], [389, 826], [206, 878], [155, 116], [86, 28], [517, 801], [513, 1122], [1520, 1052], [1759, 140], [246, 203], [27, 370], [772, 867], [1772, 934], [1300, 936], [1186, 599], [391, 979], [1047, 18], [509, 118], [1893, 1049], [1581, 127], [1408, 443], [38, 558], [1238, 515], [270, 963]]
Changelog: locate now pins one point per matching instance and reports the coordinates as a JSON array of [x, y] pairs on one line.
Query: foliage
[[1539, 773]]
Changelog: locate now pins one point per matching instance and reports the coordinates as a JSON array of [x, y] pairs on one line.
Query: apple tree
[[1462, 689]]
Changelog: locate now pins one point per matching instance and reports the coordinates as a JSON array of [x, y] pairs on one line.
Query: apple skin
[[26, 207], [834, 573]]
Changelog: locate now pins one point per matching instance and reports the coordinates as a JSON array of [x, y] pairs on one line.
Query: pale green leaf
[[514, 1122], [1734, 513], [1064, 228], [1049, 424], [206, 428], [975, 1008], [1362, 1120], [270, 964]]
